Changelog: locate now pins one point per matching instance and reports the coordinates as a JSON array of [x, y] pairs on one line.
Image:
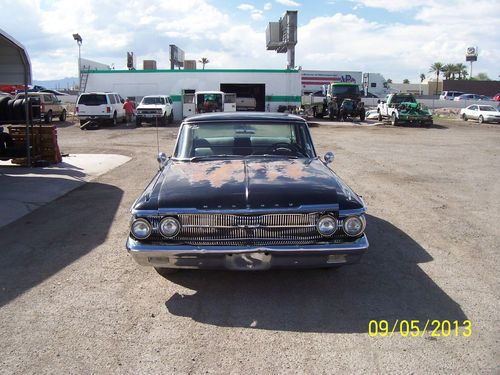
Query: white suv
[[449, 95], [155, 108], [100, 107]]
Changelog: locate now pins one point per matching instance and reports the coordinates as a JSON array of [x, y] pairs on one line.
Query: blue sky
[[399, 39]]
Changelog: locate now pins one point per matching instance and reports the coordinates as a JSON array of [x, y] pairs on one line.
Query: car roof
[[244, 116]]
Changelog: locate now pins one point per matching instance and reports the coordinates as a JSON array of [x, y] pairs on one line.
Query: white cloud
[[432, 31], [289, 3], [245, 7]]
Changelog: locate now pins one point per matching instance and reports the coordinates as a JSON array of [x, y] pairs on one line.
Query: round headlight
[[169, 226], [141, 229], [354, 225], [327, 225]]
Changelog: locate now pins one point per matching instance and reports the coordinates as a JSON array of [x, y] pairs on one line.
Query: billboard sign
[[471, 54], [176, 57]]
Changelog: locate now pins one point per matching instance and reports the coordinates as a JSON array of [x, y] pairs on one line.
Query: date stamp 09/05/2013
[[418, 328]]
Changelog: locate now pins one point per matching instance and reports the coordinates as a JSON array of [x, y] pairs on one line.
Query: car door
[[474, 112]]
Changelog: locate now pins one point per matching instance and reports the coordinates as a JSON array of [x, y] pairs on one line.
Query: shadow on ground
[[50, 238], [387, 284]]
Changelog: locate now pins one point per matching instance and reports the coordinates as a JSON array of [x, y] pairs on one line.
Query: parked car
[[246, 191], [100, 108], [450, 95], [481, 113], [50, 105], [155, 108], [55, 92], [496, 98], [471, 97]]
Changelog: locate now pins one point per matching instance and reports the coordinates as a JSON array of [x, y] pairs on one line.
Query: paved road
[[73, 301]]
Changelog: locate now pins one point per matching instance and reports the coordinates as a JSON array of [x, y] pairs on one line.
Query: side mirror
[[329, 157], [122, 101], [378, 101], [162, 159]]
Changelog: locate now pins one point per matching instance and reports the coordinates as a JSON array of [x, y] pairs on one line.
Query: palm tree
[[447, 70], [436, 68], [461, 68], [204, 61], [422, 77]]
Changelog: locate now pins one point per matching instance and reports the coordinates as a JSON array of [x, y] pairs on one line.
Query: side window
[[47, 98], [117, 97], [474, 108], [373, 84], [170, 100], [162, 99], [112, 99]]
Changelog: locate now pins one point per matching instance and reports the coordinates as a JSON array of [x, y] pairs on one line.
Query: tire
[[379, 118], [362, 115], [138, 121], [164, 120], [62, 117], [464, 117], [171, 117], [114, 121], [4, 107], [480, 119], [48, 117], [166, 271], [394, 120]]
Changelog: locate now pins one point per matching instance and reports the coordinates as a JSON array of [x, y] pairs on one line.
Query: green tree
[[436, 68], [389, 80], [406, 81], [482, 77], [447, 70], [461, 69], [204, 61]]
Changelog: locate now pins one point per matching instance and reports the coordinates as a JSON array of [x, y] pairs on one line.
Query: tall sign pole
[[471, 55], [78, 39]]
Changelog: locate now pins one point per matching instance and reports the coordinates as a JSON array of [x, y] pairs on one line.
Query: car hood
[[246, 184]]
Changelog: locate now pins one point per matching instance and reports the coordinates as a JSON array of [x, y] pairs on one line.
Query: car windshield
[[403, 98], [92, 99], [153, 100], [201, 141], [487, 108], [345, 90]]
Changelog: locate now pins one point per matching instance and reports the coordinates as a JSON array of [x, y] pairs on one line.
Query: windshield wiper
[[274, 156], [210, 157]]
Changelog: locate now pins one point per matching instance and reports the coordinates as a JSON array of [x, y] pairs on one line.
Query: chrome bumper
[[247, 257]]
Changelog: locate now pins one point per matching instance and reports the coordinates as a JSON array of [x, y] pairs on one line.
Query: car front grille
[[237, 230]]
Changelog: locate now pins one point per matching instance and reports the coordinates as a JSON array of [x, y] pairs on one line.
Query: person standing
[[128, 106]]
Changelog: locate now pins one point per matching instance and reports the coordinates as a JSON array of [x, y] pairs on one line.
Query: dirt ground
[[73, 301]]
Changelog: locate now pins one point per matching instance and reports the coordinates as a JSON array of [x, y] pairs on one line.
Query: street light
[[78, 39]]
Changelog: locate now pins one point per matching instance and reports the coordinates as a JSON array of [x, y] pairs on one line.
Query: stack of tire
[[14, 110]]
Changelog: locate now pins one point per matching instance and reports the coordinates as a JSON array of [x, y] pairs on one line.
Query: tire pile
[[14, 110]]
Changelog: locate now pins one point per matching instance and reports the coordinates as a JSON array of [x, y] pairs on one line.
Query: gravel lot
[[73, 301]]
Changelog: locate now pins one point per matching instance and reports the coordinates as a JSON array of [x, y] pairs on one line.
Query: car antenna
[[158, 144]]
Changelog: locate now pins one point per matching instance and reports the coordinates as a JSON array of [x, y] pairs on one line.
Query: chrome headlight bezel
[[334, 225], [171, 220], [141, 221], [359, 219]]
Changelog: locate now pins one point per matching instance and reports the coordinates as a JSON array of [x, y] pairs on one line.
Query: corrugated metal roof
[[15, 65]]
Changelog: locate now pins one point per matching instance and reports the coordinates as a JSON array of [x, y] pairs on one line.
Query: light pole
[[78, 39]]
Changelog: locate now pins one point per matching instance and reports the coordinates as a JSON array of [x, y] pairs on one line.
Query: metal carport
[[15, 69]]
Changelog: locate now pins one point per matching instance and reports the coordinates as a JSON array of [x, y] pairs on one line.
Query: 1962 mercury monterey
[[246, 191]]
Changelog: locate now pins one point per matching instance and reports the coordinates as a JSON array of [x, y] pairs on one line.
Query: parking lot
[[73, 301]]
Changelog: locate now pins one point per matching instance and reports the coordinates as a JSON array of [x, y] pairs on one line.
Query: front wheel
[[464, 117], [115, 120], [362, 116], [379, 117], [171, 117], [480, 119], [394, 120]]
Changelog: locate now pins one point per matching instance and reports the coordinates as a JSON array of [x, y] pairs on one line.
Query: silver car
[[481, 113]]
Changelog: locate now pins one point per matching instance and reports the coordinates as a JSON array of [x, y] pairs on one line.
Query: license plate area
[[249, 261]]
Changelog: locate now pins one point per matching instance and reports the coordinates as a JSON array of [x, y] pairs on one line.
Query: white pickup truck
[[155, 109], [403, 108]]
